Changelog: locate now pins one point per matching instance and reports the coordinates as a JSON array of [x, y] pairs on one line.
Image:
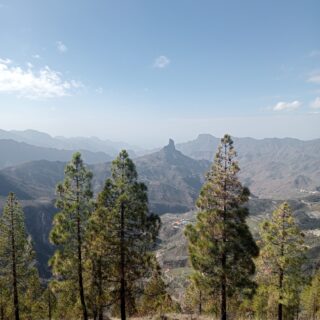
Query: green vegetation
[[220, 244], [19, 280], [280, 275], [121, 236], [155, 298], [108, 260], [69, 227]]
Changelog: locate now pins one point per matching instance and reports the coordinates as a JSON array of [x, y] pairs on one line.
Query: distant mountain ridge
[[14, 153], [93, 144], [271, 168]]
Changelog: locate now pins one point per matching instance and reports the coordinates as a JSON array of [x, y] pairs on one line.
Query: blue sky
[[143, 71]]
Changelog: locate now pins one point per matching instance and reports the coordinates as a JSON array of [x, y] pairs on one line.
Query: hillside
[[32, 180], [173, 251], [271, 168], [173, 179], [14, 153]]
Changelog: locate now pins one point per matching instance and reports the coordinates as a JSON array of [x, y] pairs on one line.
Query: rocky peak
[[170, 147]]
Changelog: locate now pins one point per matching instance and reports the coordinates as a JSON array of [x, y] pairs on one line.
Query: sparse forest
[[105, 264]]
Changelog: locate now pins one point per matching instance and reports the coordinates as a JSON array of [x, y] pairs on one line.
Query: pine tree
[[49, 302], [197, 297], [155, 298], [4, 297], [69, 226], [33, 306], [221, 246], [18, 272], [311, 298], [123, 235], [281, 260], [100, 262]]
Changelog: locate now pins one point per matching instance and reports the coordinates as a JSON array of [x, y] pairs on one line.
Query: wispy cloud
[[99, 90], [288, 106], [43, 84], [315, 104], [36, 56], [314, 53], [5, 61], [61, 47], [161, 62], [314, 77]]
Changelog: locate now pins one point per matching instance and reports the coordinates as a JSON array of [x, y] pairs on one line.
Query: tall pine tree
[[69, 227], [280, 261], [18, 271], [123, 232], [221, 246]]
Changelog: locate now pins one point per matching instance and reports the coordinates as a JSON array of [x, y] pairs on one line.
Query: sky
[[143, 71]]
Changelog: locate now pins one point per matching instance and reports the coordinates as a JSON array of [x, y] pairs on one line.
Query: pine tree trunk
[[100, 310], [280, 296], [14, 267], [223, 306], [80, 277], [2, 312], [49, 305], [280, 311], [200, 302], [122, 268], [281, 274]]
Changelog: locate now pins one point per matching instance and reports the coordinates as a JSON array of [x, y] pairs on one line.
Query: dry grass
[[180, 317], [173, 317]]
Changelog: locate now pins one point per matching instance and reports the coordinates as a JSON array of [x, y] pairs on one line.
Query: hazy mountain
[[202, 148], [272, 168], [32, 180], [13, 153], [8, 184], [173, 179], [93, 144]]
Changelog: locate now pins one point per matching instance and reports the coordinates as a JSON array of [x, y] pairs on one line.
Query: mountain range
[[271, 168], [274, 169], [173, 179], [93, 144]]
